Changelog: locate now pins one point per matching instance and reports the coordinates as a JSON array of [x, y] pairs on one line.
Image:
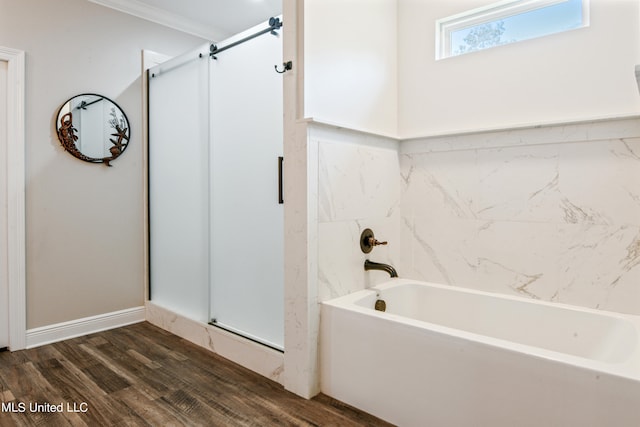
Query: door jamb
[[16, 235]]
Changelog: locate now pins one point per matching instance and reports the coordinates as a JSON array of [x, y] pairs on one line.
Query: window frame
[[489, 14]]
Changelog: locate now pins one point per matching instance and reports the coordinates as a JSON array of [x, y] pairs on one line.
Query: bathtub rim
[[628, 369]]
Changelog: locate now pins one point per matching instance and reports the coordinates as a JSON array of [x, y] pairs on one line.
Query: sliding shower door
[[179, 184], [216, 223], [247, 260]]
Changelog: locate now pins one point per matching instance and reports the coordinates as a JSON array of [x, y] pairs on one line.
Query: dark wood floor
[[140, 375]]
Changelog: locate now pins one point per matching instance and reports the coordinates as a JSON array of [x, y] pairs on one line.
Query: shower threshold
[[246, 335]]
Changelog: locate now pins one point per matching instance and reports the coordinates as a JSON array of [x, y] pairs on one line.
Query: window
[[506, 22]]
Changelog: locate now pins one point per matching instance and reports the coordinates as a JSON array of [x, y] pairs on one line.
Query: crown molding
[[162, 17]]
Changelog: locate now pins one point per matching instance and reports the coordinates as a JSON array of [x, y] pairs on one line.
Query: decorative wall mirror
[[93, 128]]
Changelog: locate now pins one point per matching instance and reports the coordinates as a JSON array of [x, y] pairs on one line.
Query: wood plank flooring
[[141, 375]]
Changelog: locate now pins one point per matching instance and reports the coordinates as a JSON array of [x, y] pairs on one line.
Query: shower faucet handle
[[375, 242], [368, 241]]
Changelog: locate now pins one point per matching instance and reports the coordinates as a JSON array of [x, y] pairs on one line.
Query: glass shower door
[[247, 221], [179, 184], [216, 225]]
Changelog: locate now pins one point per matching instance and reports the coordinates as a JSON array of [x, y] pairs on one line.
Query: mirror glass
[[93, 128]]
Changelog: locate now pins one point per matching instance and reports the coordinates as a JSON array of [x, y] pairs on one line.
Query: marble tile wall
[[358, 188], [551, 213]]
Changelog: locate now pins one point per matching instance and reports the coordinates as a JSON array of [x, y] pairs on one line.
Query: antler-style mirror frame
[[99, 138]]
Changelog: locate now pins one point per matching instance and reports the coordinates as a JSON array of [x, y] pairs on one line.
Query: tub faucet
[[370, 265]]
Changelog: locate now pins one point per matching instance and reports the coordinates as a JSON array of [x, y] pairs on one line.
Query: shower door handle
[[280, 192]]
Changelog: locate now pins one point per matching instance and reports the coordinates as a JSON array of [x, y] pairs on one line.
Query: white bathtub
[[446, 356]]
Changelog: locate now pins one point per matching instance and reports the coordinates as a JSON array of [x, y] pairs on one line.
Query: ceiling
[[213, 20]]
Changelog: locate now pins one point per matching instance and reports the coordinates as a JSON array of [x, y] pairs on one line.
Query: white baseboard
[[88, 325]]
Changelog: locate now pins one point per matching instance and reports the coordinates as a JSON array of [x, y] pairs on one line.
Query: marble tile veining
[[351, 172], [556, 221], [600, 181], [548, 212], [518, 184]]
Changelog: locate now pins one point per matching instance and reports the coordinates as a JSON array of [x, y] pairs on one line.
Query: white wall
[[84, 221], [370, 65], [577, 75], [350, 61]]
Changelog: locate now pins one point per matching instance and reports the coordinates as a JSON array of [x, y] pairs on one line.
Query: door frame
[[16, 237]]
